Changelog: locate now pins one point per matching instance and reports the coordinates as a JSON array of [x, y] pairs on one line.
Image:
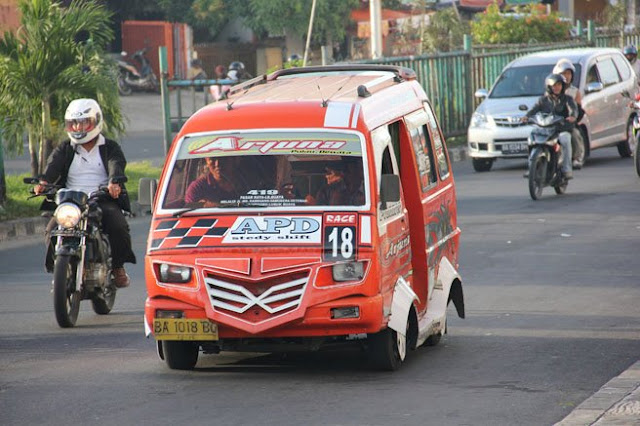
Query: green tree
[[530, 23], [445, 31], [292, 16], [56, 55], [206, 17]]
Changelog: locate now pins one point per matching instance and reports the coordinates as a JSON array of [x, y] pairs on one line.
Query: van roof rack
[[397, 73], [401, 73]]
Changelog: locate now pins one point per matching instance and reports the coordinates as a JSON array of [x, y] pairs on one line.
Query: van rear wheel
[[626, 147], [482, 164]]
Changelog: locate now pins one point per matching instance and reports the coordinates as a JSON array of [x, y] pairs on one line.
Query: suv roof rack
[[401, 73]]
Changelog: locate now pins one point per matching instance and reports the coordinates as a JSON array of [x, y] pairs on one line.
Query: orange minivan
[[314, 206]]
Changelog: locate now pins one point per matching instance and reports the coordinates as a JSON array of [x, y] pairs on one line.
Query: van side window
[[608, 72], [421, 141], [592, 75], [438, 142], [623, 67]]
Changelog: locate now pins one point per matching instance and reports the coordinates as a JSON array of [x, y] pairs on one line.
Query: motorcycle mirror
[[523, 107], [31, 180]]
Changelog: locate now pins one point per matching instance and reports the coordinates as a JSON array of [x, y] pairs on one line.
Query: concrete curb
[[616, 403]]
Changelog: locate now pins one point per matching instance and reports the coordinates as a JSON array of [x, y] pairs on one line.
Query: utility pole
[[306, 48], [375, 10]]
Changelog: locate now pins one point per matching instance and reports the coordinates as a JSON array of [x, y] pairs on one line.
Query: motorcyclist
[[237, 71], [565, 68], [85, 162], [631, 53], [556, 102]]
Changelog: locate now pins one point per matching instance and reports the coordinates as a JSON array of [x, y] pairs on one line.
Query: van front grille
[[256, 301]]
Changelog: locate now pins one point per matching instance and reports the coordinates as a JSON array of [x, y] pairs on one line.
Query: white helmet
[[83, 120], [563, 65]]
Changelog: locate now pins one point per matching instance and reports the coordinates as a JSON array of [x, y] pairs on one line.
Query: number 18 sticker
[[340, 237]]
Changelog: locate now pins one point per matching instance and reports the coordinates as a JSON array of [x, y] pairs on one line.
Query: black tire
[[482, 164], [66, 301], [636, 156], [433, 340], [561, 188], [625, 147], [180, 355], [537, 174], [123, 88], [387, 350], [103, 301]]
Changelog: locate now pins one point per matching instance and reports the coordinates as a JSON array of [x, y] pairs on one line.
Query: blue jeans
[[565, 141]]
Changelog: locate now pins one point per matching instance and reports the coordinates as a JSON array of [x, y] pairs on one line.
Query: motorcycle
[[130, 79], [636, 132], [82, 253], [545, 155]]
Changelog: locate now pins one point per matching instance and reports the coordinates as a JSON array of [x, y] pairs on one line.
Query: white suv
[[603, 76]]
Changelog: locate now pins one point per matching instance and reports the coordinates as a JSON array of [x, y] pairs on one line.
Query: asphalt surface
[[552, 316]]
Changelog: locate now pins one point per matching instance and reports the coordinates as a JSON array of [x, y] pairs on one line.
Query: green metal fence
[[449, 79]]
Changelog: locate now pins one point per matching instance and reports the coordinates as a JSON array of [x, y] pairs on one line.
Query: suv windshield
[[268, 169], [525, 81]]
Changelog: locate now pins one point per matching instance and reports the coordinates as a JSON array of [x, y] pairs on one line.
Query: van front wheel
[[180, 355], [387, 349]]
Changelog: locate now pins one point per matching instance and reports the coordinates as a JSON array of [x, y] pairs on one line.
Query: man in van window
[[556, 102], [335, 191], [214, 186], [354, 180]]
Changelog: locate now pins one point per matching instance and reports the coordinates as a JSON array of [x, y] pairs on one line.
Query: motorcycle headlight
[[478, 120], [67, 215]]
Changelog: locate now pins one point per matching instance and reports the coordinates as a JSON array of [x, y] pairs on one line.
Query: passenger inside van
[[334, 192], [215, 185]]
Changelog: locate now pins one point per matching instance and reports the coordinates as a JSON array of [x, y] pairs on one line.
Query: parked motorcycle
[[81, 253], [545, 155], [130, 79]]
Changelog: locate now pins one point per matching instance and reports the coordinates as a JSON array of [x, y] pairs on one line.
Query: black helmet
[[551, 80], [294, 57], [630, 52], [236, 65]]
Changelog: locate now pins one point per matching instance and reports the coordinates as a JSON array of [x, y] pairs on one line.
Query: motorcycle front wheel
[[537, 174], [66, 300], [123, 87], [636, 156]]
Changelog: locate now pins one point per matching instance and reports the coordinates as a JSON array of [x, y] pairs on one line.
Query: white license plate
[[514, 148]]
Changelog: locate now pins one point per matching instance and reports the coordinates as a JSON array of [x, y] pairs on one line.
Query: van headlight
[[67, 215], [178, 274], [348, 271], [478, 120]]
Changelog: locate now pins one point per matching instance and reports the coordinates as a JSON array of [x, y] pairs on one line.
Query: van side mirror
[[596, 86], [147, 193], [481, 93], [389, 189]]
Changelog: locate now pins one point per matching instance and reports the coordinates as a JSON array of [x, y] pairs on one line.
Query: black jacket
[[563, 105], [112, 158]]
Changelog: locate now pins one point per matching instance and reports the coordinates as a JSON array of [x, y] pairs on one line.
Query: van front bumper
[[317, 320]]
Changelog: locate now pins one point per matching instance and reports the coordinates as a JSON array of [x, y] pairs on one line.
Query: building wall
[[9, 15]]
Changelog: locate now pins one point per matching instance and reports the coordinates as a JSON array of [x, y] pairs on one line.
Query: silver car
[[603, 76]]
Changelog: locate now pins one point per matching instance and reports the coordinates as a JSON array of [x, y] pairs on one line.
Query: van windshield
[[517, 82], [266, 170]]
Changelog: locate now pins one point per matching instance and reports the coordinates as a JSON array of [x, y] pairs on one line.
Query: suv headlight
[[67, 215], [478, 120]]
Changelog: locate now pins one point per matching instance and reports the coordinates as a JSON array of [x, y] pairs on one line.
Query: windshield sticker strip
[[281, 230]]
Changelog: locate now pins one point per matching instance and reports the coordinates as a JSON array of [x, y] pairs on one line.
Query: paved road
[[552, 302]]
